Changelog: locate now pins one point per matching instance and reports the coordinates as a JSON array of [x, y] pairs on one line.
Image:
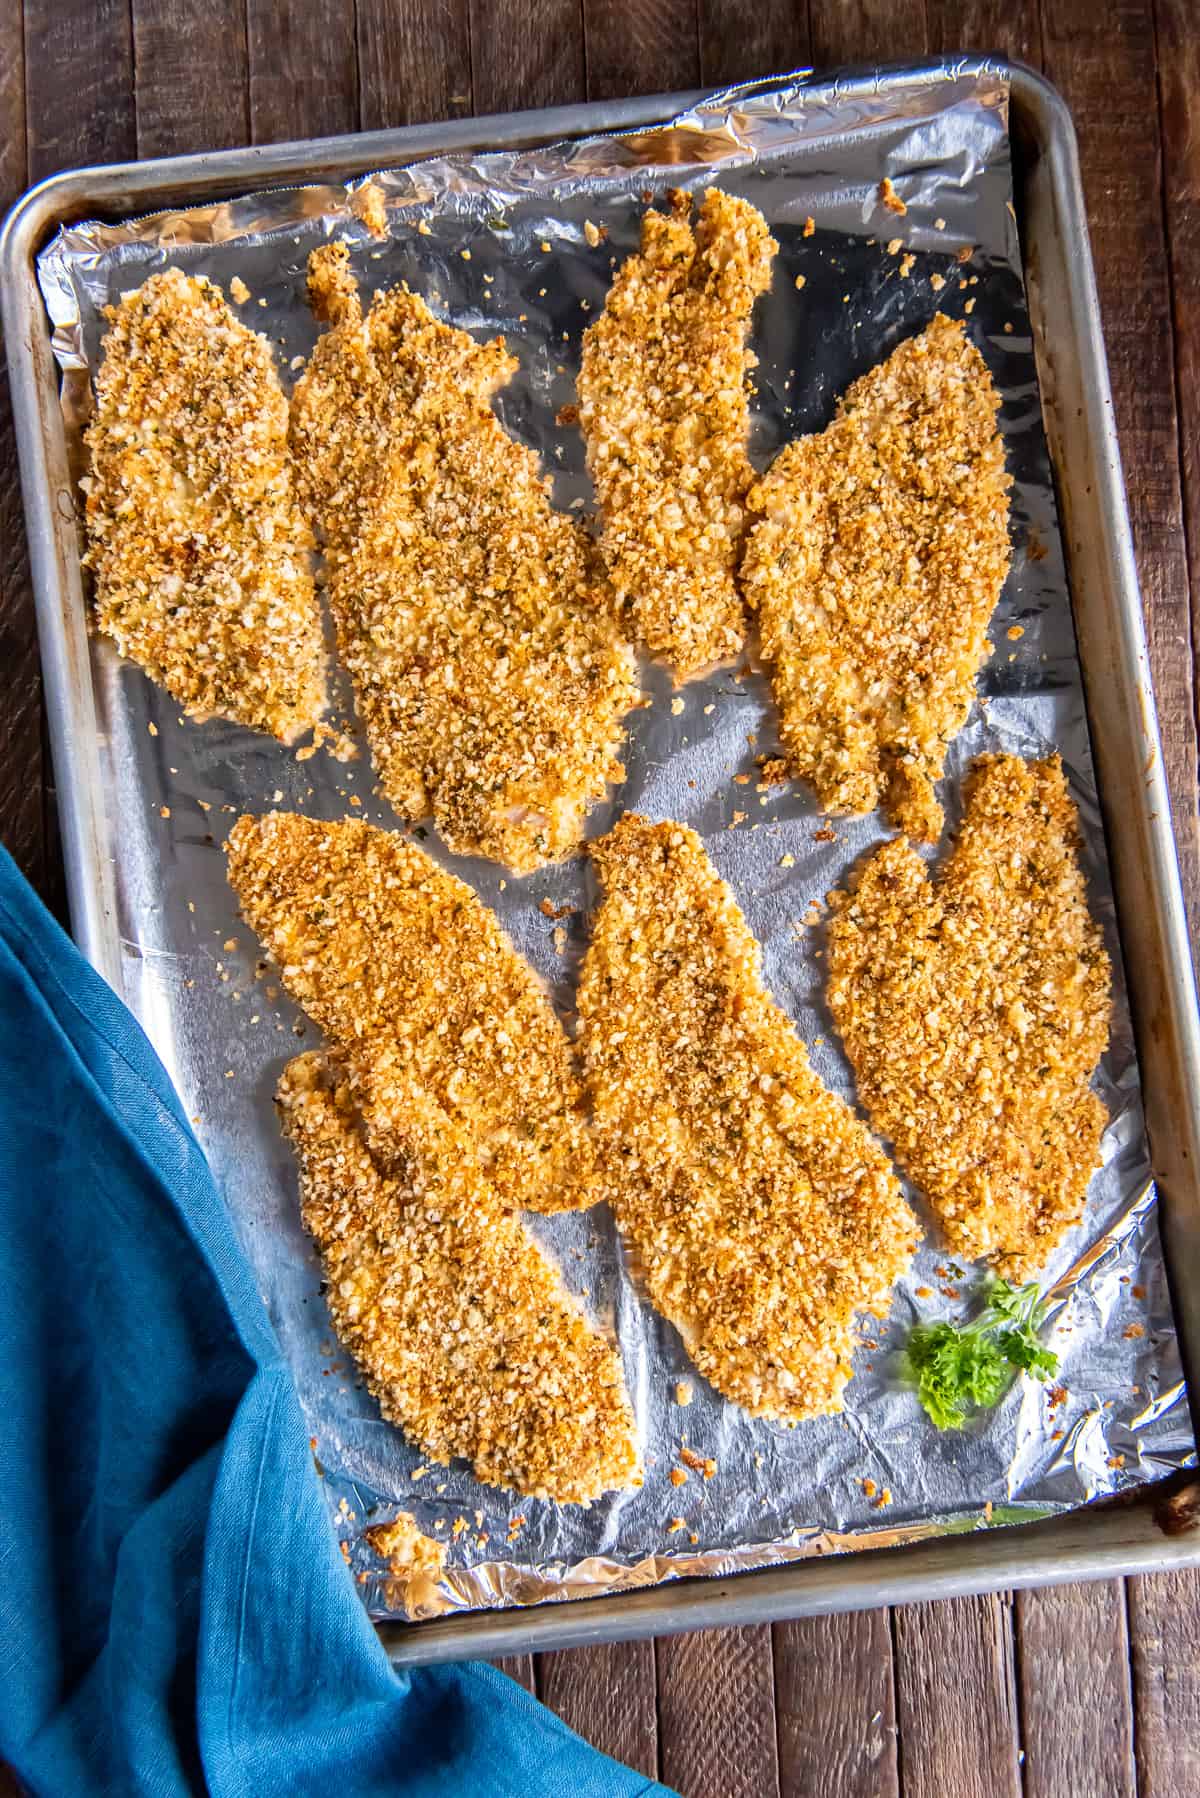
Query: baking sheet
[[189, 964]]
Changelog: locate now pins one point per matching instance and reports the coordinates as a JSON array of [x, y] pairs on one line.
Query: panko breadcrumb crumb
[[410, 1554], [370, 207], [879, 555], [200, 554], [474, 619], [662, 403], [410, 976], [974, 1009], [761, 1212], [463, 1329]]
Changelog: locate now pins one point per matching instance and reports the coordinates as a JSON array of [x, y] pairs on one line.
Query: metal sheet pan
[[1070, 362]]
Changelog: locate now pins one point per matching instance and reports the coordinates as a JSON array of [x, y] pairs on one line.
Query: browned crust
[[473, 618], [466, 1335], [762, 1214], [200, 554], [880, 552], [974, 1009], [663, 406], [412, 979]]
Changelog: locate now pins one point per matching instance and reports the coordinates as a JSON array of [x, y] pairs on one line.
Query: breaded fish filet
[[879, 555], [199, 550], [763, 1214], [662, 403], [473, 618], [467, 1337], [413, 981], [974, 1008]]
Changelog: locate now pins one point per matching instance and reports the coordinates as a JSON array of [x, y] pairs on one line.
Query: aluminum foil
[[1117, 1415]]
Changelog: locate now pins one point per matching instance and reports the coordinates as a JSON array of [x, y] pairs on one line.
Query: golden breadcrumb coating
[[411, 978], [878, 558], [466, 1335], [200, 554], [974, 1009], [473, 618], [763, 1214], [662, 403]]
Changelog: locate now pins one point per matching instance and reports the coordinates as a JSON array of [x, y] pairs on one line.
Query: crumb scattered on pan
[[461, 1325], [474, 618], [411, 978], [409, 1553], [763, 1215], [890, 198], [370, 207], [974, 1008], [198, 549], [880, 551], [663, 406]]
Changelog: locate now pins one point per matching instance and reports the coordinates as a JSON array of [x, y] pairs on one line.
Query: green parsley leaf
[[959, 1368]]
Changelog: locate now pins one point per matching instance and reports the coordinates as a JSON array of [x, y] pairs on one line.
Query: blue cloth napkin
[[174, 1614]]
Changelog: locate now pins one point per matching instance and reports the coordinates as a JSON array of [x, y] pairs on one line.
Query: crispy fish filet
[[473, 618], [974, 1009], [199, 550], [467, 1337], [662, 403], [413, 981], [877, 561], [763, 1214]]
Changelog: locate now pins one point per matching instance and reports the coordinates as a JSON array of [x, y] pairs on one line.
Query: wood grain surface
[[835, 1705], [1076, 1699], [1077, 1692]]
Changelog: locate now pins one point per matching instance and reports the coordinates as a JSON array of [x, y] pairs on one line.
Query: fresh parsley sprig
[[960, 1368]]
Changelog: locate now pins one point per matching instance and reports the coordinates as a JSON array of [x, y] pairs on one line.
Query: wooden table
[[1066, 1693]]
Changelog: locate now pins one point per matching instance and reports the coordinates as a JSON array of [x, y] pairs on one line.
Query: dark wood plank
[[836, 1707], [716, 1713], [1012, 27], [956, 1702], [414, 60], [192, 91], [78, 83], [1164, 1627], [640, 46], [520, 1668], [850, 31], [303, 64], [20, 684], [606, 1694], [1178, 59], [79, 108], [1103, 61], [536, 59], [1076, 1702], [740, 43]]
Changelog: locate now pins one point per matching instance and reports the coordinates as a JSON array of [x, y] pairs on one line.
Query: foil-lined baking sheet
[[537, 272]]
